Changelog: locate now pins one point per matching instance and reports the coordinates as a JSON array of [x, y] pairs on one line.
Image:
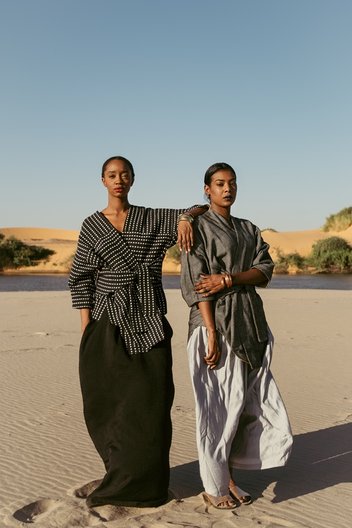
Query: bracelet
[[223, 283], [184, 216], [228, 279]]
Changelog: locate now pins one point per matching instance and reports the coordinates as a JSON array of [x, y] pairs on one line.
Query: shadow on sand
[[319, 460]]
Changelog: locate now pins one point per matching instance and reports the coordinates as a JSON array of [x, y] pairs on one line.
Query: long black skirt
[[127, 402]]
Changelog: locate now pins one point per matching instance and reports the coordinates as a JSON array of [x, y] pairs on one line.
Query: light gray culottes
[[241, 419]]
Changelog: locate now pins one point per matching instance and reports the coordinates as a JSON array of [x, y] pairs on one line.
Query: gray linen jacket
[[239, 314]]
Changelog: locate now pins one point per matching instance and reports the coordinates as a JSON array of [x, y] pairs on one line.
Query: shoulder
[[94, 226], [91, 220], [156, 215], [245, 224], [203, 219], [150, 219]]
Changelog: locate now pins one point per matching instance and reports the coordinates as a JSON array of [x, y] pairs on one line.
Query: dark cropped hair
[[121, 158], [221, 165]]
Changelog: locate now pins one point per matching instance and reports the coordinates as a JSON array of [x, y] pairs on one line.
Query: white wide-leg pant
[[241, 419]]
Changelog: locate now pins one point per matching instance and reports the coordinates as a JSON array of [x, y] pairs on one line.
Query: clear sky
[[175, 85]]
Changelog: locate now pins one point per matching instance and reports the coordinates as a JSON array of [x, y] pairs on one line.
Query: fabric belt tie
[[131, 305]]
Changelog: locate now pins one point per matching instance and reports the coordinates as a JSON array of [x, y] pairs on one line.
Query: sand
[[46, 452], [64, 243], [300, 241]]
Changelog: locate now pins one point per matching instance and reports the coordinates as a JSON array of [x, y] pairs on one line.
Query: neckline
[[227, 221], [102, 215]]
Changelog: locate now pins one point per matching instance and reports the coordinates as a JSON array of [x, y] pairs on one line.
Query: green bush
[[174, 253], [283, 262], [339, 221], [16, 254], [332, 253]]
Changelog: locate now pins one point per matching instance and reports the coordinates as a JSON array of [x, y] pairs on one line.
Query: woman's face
[[117, 179], [222, 190]]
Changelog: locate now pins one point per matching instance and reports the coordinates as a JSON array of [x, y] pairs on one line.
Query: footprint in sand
[[54, 513], [31, 512]]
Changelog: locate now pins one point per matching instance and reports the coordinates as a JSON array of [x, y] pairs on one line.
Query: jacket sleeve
[[169, 219], [262, 260], [81, 280], [194, 264]]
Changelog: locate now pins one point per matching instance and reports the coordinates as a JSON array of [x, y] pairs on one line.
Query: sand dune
[[64, 243], [46, 452], [300, 241], [35, 234]]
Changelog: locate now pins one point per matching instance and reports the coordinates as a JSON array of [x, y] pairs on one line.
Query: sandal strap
[[216, 501]]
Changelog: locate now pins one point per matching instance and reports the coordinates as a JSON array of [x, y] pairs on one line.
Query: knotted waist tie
[[243, 321], [131, 305]]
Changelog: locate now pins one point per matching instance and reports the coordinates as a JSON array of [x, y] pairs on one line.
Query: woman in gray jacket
[[241, 419]]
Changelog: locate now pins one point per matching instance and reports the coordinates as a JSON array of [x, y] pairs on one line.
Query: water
[[59, 282]]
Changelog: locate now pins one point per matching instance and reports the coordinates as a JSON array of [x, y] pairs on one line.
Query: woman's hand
[[213, 355], [85, 318], [210, 284], [185, 235]]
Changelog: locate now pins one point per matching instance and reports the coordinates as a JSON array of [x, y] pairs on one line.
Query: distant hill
[[64, 243]]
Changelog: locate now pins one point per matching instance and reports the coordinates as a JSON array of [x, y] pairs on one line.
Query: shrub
[[283, 262], [174, 253], [15, 254], [332, 253], [339, 221]]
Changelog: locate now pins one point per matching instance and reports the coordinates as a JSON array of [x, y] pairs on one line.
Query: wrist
[[228, 279], [185, 217]]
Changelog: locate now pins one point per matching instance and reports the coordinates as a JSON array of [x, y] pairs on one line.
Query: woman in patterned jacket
[[125, 353]]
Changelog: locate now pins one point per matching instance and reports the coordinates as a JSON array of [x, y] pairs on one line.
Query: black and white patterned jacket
[[121, 272]]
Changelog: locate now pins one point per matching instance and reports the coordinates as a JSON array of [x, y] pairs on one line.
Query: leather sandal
[[219, 502], [241, 496]]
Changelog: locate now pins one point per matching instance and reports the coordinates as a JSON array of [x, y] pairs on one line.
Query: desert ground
[[46, 453]]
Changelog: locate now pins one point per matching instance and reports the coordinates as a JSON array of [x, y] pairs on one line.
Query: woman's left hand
[[210, 284], [185, 235]]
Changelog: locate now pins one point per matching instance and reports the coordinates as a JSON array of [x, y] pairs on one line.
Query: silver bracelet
[[184, 216]]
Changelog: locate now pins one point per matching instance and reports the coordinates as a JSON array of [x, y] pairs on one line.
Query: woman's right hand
[[213, 354], [85, 318], [210, 284]]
